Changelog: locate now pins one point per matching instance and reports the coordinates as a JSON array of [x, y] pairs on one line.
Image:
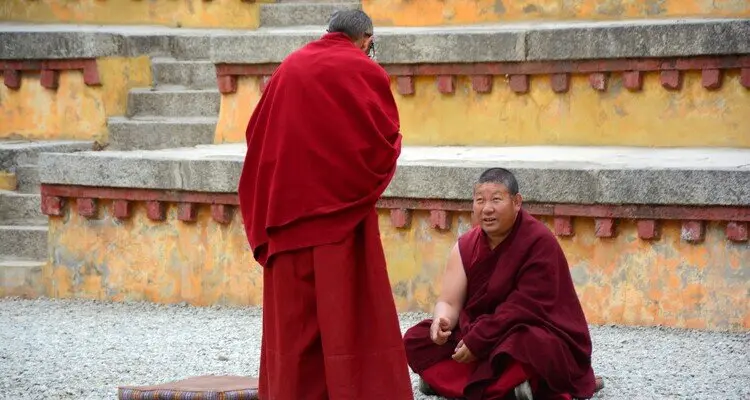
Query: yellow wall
[[692, 117], [623, 280], [74, 110], [456, 12], [182, 13]]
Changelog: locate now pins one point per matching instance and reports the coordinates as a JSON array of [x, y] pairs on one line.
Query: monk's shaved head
[[354, 23], [500, 176]]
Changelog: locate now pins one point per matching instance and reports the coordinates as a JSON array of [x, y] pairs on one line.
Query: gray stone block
[[299, 14], [16, 207], [193, 46], [45, 45], [27, 177], [628, 39], [26, 242], [159, 133], [23, 152], [191, 74], [173, 103]]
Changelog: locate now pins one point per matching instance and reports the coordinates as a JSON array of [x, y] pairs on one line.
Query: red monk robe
[[322, 147], [521, 319]]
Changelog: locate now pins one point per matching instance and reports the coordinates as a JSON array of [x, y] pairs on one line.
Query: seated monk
[[508, 320]]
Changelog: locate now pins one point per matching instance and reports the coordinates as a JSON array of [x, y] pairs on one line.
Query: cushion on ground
[[209, 387]]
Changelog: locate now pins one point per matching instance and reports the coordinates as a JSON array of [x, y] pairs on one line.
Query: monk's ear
[[517, 200]]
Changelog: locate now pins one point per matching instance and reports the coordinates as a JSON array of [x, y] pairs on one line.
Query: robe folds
[[323, 143], [521, 308]]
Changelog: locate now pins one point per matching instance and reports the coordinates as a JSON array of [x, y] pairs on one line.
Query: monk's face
[[495, 208]]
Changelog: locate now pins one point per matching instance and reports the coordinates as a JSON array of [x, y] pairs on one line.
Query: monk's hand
[[440, 330], [462, 354]]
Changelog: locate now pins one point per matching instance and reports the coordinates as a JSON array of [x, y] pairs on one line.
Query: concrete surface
[[173, 102], [24, 152], [193, 74], [477, 43], [547, 174], [159, 132], [296, 13]]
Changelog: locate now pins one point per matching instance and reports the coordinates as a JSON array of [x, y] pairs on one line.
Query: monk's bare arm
[[452, 297]]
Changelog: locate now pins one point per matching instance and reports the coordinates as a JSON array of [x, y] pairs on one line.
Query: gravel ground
[[54, 349]]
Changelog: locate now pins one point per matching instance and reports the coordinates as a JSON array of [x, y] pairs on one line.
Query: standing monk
[[322, 146], [508, 321]]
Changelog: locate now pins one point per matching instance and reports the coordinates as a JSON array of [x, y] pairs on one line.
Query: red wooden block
[[405, 85], [50, 79], [187, 212], [263, 83], [440, 219], [156, 210], [632, 80], [446, 84], [671, 79], [222, 213], [121, 209], [737, 231], [598, 81], [560, 83], [86, 207], [227, 84], [744, 77], [693, 231], [564, 226], [400, 218], [52, 206], [711, 78], [91, 73], [648, 229], [12, 79], [519, 83], [481, 83], [604, 227]]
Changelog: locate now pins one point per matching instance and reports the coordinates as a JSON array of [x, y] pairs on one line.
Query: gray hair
[[500, 176], [354, 23]]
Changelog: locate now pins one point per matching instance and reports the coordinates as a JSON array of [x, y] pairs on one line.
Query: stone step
[[176, 102], [297, 14], [16, 206], [159, 132], [21, 278], [24, 152], [192, 74], [27, 177], [23, 241]]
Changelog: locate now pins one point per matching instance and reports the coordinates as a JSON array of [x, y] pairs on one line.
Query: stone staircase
[[23, 228]]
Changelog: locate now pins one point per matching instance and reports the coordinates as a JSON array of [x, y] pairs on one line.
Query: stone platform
[[653, 236]]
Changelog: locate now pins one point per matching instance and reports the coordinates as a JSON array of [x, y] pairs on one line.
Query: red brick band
[[401, 210], [49, 71], [518, 73]]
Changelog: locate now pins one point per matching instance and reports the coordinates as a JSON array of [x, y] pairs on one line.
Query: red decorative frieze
[[446, 84], [632, 80], [222, 213], [671, 79], [187, 212], [693, 231], [86, 207], [52, 206], [400, 218], [563, 226], [711, 78], [49, 71], [156, 210], [519, 83], [648, 229], [598, 81], [121, 209], [737, 231], [440, 220], [405, 85], [604, 227], [482, 83], [519, 73], [560, 83]]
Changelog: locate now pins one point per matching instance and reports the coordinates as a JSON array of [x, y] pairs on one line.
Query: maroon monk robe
[[521, 308], [322, 147]]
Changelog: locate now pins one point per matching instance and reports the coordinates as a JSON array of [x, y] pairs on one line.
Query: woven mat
[[208, 387]]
